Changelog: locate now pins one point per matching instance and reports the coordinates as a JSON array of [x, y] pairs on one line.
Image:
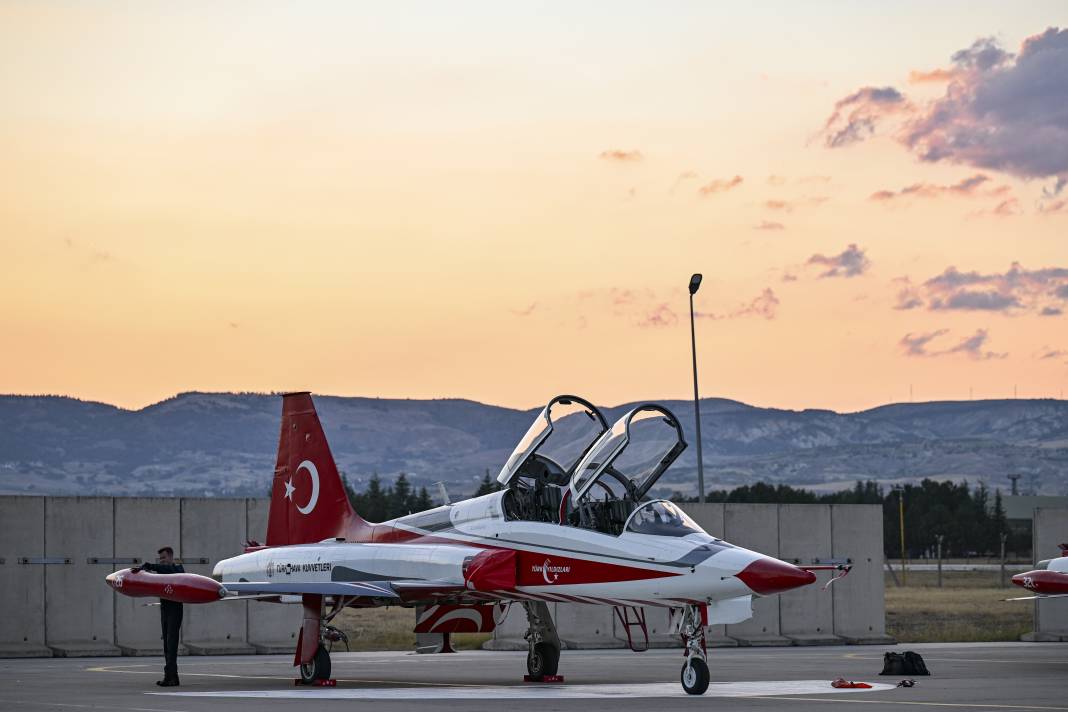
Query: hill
[[223, 444]]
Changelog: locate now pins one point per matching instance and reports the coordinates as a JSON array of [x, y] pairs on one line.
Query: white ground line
[[539, 692]]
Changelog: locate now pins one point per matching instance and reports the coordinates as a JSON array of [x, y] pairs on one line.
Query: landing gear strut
[[694, 676], [318, 632], [543, 644]]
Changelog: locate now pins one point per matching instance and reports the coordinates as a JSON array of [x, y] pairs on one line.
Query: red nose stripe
[[768, 576]]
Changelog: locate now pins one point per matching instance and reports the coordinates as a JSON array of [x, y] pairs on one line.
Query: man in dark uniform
[[170, 614]]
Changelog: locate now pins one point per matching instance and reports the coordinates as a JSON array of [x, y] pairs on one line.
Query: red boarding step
[[544, 678], [319, 683]]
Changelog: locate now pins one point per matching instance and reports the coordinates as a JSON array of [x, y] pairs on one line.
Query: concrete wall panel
[[756, 527], [709, 515], [1050, 530], [213, 529], [142, 526], [806, 614], [859, 598], [272, 627], [22, 592], [79, 605], [585, 626]]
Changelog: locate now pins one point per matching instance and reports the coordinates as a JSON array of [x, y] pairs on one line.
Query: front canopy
[[561, 434], [635, 452]]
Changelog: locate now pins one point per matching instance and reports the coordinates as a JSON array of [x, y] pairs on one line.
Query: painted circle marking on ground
[[540, 692]]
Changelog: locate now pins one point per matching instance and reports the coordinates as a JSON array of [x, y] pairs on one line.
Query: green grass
[[968, 608], [391, 629]]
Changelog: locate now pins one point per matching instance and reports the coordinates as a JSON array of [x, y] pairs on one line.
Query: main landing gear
[[543, 644], [317, 631], [694, 676]]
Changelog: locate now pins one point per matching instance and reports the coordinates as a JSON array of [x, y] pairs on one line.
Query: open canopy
[[634, 453], [557, 439]]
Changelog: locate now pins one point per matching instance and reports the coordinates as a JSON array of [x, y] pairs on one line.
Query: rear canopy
[[638, 449]]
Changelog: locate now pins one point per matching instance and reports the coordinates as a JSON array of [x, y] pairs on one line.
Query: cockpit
[[570, 468]]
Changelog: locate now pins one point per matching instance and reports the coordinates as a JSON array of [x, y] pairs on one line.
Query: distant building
[[1021, 508]]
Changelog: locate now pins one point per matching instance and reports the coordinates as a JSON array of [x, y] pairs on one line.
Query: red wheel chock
[[544, 678]]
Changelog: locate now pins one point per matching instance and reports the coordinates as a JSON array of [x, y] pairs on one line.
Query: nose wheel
[[694, 675]]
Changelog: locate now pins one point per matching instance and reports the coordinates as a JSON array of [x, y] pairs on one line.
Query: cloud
[[769, 225], [850, 262], [939, 76], [527, 311], [764, 305], [999, 111], [916, 345], [1046, 352], [776, 180], [660, 315], [966, 187], [720, 186], [684, 176], [778, 205], [621, 156], [1015, 291], [972, 346], [856, 116]]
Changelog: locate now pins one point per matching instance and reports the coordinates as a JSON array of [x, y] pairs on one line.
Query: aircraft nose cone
[[768, 576], [1018, 579]]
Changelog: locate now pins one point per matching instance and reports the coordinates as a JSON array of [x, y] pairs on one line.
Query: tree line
[[970, 520]]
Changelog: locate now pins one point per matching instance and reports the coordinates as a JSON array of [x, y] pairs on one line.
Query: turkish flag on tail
[[308, 502]]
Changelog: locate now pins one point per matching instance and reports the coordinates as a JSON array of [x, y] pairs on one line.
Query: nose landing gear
[[694, 675]]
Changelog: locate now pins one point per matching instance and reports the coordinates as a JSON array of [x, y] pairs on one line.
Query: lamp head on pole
[[695, 284]]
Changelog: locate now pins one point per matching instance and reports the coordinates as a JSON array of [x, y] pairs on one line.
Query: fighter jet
[[572, 523], [1049, 580]]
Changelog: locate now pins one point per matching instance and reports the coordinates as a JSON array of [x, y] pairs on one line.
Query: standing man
[[170, 614]]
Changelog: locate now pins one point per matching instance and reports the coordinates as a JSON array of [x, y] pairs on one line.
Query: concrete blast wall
[[1051, 615], [852, 610], [56, 551]]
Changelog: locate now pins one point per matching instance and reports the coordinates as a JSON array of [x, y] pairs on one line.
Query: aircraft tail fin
[[308, 501]]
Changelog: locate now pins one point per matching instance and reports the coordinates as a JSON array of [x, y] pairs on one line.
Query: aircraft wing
[[368, 589], [1038, 597]]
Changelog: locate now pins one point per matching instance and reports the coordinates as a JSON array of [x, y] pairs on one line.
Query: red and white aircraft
[[572, 524], [1049, 580]]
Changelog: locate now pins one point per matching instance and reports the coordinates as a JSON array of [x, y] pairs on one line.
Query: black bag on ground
[[914, 664], [902, 664]]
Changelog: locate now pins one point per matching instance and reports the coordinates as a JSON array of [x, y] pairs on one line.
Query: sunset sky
[[504, 201]]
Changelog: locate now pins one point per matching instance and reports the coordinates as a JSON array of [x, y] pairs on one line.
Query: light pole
[[695, 284], [901, 527]]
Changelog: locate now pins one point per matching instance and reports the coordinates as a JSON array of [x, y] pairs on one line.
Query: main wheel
[[318, 668], [542, 660], [695, 676]]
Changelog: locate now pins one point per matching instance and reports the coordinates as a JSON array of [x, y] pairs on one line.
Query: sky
[[505, 201]]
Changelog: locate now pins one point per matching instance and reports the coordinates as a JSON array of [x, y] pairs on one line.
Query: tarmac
[[976, 676]]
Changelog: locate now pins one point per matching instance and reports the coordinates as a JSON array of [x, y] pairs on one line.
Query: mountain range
[[223, 444]]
